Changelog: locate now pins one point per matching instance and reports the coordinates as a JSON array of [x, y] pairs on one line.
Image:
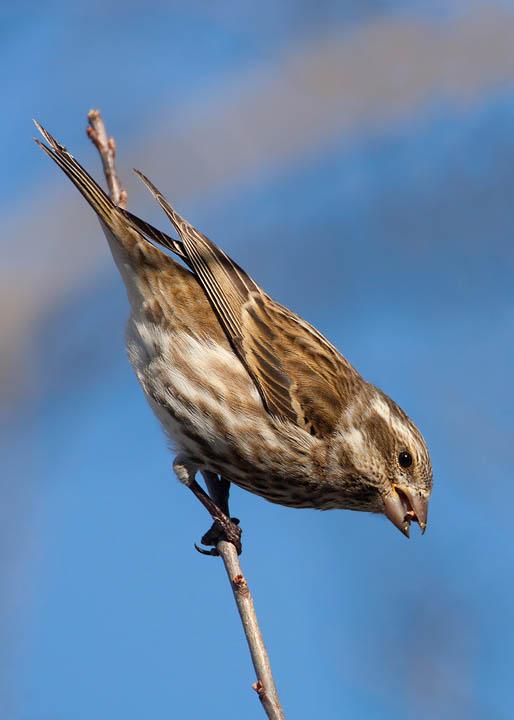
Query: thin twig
[[107, 150], [265, 685]]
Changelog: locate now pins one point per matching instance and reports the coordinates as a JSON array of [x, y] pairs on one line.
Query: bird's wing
[[300, 376], [152, 233]]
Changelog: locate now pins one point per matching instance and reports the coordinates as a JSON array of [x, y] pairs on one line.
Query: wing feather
[[300, 376]]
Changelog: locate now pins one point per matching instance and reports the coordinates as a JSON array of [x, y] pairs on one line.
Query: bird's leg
[[226, 528], [219, 489]]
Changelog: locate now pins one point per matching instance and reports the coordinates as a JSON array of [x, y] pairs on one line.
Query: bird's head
[[384, 461]]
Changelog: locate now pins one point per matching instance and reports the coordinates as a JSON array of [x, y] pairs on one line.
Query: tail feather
[[101, 203], [92, 192]]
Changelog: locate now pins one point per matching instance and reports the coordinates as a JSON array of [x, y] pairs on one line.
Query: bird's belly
[[211, 410]]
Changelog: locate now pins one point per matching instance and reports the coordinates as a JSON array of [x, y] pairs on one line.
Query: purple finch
[[246, 390]]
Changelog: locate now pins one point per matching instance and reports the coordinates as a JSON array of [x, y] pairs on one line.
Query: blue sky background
[[357, 159]]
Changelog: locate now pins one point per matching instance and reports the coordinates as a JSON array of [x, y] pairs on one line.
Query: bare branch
[[265, 685], [107, 150]]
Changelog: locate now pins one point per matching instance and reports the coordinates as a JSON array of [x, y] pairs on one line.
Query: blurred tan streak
[[50, 254], [386, 70]]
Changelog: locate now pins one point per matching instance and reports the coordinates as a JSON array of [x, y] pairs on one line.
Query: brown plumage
[[245, 389]]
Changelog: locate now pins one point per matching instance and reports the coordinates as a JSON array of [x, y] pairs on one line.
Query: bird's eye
[[405, 459]]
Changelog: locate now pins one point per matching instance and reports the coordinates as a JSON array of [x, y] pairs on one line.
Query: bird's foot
[[223, 528]]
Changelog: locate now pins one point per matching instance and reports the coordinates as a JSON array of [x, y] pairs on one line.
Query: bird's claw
[[229, 531], [213, 551]]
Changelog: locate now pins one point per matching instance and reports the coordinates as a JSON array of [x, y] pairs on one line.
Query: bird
[[246, 391]]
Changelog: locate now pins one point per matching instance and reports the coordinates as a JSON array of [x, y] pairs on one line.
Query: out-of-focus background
[[357, 158]]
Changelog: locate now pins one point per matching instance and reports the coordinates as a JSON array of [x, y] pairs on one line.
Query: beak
[[403, 505]]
